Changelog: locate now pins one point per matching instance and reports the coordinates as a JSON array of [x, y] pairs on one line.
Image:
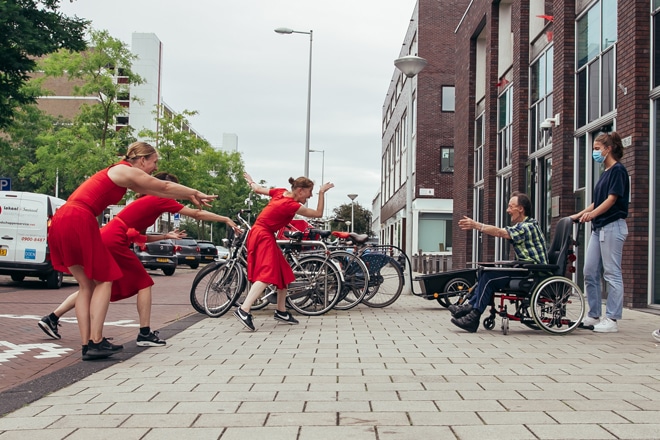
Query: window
[[435, 232], [595, 77], [479, 149], [448, 98], [540, 86], [447, 160], [504, 128]]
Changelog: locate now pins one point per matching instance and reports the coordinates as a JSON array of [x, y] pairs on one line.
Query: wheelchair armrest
[[509, 270], [541, 267], [505, 263]]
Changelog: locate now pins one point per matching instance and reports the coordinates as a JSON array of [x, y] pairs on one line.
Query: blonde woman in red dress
[[266, 263], [75, 241]]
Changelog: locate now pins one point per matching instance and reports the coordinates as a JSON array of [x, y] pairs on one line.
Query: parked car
[[187, 252], [207, 251], [223, 252], [157, 255], [24, 221]]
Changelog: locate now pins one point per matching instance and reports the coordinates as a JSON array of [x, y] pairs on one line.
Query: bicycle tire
[[317, 287], [225, 285], [199, 285], [356, 279], [385, 284]]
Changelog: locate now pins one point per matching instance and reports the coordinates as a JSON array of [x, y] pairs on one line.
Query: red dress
[[74, 237], [138, 215], [266, 262]]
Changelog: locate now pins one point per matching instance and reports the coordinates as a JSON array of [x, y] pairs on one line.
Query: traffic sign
[[5, 184]]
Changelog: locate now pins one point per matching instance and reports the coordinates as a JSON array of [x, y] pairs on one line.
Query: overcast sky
[[223, 59]]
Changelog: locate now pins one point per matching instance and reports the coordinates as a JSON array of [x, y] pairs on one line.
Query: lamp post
[[410, 66], [325, 210], [352, 197], [283, 30]]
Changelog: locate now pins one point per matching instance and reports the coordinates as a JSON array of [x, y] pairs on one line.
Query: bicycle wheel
[[225, 285], [456, 291], [200, 283], [385, 280], [356, 279], [317, 286]]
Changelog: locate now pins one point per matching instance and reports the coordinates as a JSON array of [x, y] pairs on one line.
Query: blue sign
[[5, 184], [177, 216], [30, 254]]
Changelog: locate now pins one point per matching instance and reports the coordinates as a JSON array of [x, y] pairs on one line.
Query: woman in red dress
[[117, 236], [266, 263], [75, 241]]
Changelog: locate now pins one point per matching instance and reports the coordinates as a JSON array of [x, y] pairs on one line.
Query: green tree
[[30, 29], [361, 217]]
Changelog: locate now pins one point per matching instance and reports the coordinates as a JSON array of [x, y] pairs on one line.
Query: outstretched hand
[[201, 199], [176, 234], [326, 186]]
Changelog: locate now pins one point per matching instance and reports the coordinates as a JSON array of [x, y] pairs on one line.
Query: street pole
[[352, 197]]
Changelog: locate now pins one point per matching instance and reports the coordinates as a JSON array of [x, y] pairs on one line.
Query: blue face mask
[[597, 157]]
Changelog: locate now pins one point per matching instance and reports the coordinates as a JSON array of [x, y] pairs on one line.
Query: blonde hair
[[139, 149], [300, 182]]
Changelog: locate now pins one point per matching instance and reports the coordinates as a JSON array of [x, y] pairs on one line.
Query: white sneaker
[[607, 325], [656, 335], [590, 322]]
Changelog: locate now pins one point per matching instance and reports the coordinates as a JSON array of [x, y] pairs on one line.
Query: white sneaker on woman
[[607, 325]]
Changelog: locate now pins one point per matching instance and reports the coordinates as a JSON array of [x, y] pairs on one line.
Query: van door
[[10, 206], [32, 230]]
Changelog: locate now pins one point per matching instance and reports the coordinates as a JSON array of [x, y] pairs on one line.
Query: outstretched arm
[[200, 214], [318, 212], [258, 189]]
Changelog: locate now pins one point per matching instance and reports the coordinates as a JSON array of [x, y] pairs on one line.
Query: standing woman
[[607, 215], [75, 239], [266, 263]]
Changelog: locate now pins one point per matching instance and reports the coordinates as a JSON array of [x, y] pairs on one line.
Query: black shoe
[[458, 310], [101, 350], [85, 357], [469, 322], [285, 317], [150, 340], [49, 327], [245, 318]]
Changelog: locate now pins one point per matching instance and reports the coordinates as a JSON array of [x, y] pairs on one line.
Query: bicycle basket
[[375, 261]]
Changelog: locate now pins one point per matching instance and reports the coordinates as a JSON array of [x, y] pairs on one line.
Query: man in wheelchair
[[528, 244]]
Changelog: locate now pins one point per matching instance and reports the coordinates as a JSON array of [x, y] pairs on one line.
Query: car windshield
[[186, 242]]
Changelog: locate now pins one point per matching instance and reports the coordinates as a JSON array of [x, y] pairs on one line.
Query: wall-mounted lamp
[[550, 122], [623, 88]]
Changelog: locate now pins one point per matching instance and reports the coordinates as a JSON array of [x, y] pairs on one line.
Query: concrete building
[[418, 125], [583, 67], [230, 142]]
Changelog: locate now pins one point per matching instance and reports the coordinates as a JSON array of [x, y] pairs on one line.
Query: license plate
[[190, 258], [162, 260], [3, 252], [208, 257]]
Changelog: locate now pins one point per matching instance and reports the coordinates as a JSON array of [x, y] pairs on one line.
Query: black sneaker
[[150, 340], [285, 317], [245, 318], [101, 350], [469, 322], [458, 310], [49, 327]]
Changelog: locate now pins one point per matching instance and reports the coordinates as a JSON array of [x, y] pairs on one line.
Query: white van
[[24, 221]]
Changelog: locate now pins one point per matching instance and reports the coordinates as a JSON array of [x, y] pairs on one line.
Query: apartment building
[[418, 135], [536, 82]]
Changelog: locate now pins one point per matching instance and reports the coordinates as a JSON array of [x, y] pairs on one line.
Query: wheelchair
[[540, 296]]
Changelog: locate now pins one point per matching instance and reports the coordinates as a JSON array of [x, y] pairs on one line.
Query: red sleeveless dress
[[266, 262], [74, 237], [137, 215]]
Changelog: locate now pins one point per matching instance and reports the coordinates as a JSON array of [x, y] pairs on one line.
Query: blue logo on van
[[30, 254]]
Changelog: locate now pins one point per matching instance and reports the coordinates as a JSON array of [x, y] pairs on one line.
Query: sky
[[223, 59]]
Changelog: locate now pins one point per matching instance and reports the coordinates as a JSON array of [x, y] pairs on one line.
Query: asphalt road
[[30, 361]]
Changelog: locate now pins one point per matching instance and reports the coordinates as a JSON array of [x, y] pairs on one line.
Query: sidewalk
[[403, 372]]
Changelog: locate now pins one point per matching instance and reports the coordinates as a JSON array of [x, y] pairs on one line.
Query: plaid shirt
[[528, 241]]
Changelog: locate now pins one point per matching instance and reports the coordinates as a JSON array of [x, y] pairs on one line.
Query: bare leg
[[257, 289], [281, 300], [98, 308], [83, 301], [68, 304], [144, 306]]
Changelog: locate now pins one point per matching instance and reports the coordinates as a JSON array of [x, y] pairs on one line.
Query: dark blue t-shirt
[[613, 181]]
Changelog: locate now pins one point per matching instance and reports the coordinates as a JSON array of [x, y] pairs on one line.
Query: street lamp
[[283, 30], [410, 66], [322, 174], [352, 197]]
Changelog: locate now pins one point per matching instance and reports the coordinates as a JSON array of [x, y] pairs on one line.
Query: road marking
[[119, 323], [47, 350]]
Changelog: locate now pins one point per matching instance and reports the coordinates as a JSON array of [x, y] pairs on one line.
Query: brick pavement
[[395, 373], [26, 353]]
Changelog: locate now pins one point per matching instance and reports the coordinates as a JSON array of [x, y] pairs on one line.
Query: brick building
[[582, 67], [418, 126]]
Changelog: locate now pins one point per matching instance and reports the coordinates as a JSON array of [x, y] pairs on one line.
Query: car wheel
[[194, 265], [54, 280], [17, 278], [169, 271]]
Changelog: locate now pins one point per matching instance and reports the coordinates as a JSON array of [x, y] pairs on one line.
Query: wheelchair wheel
[[505, 326], [557, 305], [489, 323], [456, 291]]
